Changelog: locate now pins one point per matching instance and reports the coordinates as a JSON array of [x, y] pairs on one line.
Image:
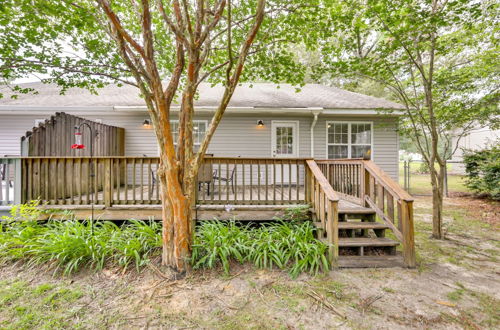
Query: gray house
[[262, 120], [274, 148]]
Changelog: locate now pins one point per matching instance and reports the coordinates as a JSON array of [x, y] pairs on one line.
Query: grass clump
[[70, 245], [281, 245]]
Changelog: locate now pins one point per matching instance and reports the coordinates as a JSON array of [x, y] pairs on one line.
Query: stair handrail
[[376, 185], [324, 201], [388, 182]]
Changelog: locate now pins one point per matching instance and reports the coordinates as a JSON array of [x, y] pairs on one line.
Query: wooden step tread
[[356, 210], [370, 261], [362, 225], [366, 241]]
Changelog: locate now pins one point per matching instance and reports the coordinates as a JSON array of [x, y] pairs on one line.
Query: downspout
[[313, 124]]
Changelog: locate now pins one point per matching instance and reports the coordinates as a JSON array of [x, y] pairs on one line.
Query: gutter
[[313, 124], [30, 109]]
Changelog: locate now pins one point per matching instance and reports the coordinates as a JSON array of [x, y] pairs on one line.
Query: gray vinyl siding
[[385, 139], [237, 135]]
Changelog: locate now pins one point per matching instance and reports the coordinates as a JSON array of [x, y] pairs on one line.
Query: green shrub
[[482, 168], [279, 245]]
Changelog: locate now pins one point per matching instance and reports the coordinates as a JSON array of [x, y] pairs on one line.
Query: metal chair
[[228, 178]]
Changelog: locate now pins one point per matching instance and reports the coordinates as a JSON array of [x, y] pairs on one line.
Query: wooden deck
[[240, 188]]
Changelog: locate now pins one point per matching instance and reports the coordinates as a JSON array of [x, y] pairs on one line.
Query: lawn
[[420, 184], [454, 286]]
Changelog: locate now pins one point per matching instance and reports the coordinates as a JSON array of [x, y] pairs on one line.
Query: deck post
[[408, 233], [332, 232], [107, 182]]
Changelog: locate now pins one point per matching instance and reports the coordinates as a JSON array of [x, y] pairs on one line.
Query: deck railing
[[122, 180], [364, 182], [325, 203], [10, 188], [267, 181]]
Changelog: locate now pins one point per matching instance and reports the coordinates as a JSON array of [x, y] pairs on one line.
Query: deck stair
[[362, 240]]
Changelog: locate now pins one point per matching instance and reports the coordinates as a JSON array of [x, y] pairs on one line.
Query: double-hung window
[[348, 139], [199, 131]]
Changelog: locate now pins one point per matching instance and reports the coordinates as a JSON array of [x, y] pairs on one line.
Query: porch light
[[260, 123], [146, 123]]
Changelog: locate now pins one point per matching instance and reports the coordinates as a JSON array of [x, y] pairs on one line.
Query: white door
[[285, 145], [284, 139]]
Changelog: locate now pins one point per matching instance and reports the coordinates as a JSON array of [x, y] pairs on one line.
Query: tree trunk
[[437, 181], [176, 219]]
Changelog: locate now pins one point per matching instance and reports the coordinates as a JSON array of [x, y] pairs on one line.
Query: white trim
[[296, 136], [139, 108], [349, 144]]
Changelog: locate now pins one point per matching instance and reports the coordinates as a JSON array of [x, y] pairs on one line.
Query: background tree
[[165, 48], [438, 58]]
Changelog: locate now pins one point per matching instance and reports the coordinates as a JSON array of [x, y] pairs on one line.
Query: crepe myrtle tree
[[165, 48], [438, 58]]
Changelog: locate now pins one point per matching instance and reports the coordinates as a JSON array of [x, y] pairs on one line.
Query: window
[[348, 140], [199, 130]]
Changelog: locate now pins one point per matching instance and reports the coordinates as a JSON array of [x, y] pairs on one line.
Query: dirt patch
[[455, 286]]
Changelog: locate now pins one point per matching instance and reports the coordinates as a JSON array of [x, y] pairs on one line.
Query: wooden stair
[[362, 241]]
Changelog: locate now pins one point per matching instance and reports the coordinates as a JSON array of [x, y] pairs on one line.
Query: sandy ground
[[455, 286]]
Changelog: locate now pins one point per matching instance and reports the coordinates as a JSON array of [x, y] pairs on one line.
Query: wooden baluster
[[380, 196], [219, 180], [274, 181], [107, 182], [390, 207], [282, 179], [289, 180], [258, 181], [125, 179], [158, 182], [267, 181], [142, 180], [134, 179], [150, 181], [80, 181], [227, 181], [297, 173]]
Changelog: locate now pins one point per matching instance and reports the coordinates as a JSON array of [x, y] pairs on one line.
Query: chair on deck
[[227, 177], [206, 175]]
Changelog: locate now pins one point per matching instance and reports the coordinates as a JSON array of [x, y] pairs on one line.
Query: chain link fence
[[414, 177]]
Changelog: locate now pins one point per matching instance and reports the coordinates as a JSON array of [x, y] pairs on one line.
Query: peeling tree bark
[[178, 169]]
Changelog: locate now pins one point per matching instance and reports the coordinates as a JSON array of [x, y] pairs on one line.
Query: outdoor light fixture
[[260, 123], [146, 123]]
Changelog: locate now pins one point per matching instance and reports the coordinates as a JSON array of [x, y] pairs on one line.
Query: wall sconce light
[[146, 123], [260, 123]]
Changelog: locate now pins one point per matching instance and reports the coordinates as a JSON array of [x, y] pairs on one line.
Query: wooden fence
[[55, 136]]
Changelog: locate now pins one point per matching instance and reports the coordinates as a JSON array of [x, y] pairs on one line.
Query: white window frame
[[194, 121], [349, 143]]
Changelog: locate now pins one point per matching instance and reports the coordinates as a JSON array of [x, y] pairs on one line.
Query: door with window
[[284, 139], [284, 144]]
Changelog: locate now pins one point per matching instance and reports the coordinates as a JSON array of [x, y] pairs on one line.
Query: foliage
[[296, 213], [282, 245], [69, 245], [483, 171], [437, 58]]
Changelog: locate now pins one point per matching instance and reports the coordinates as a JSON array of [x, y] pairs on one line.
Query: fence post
[[445, 178]]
